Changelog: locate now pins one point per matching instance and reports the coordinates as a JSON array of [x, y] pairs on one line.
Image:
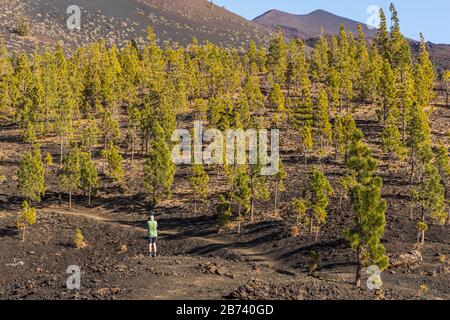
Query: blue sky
[[431, 17]]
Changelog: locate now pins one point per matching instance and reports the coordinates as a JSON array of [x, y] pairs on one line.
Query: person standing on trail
[[152, 226]]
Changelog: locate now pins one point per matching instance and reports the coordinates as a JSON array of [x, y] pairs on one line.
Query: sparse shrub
[[423, 289], [48, 160], [23, 26], [79, 240], [27, 218]]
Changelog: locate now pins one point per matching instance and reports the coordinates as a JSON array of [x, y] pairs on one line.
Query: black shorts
[[151, 240]]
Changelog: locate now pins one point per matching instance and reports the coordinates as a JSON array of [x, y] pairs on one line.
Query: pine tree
[[334, 85], [109, 128], [241, 193], [70, 176], [363, 76], [259, 188], [88, 175], [418, 137], [387, 93], [382, 39], [252, 91], [344, 67], [199, 183], [89, 134], [114, 159], [26, 219], [300, 208], [159, 169], [302, 119], [201, 108], [279, 183], [322, 126], [374, 77], [224, 213], [78, 239], [320, 59], [391, 139], [424, 76], [297, 70], [31, 176], [368, 208], [344, 133], [443, 165], [430, 195], [134, 117], [277, 59], [276, 98], [446, 78], [318, 192], [406, 96], [7, 92]]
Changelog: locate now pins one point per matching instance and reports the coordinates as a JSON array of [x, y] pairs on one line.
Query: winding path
[[249, 253]]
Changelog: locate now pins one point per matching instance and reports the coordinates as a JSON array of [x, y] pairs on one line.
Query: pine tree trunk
[[239, 227], [195, 204], [132, 148], [358, 267], [412, 166], [61, 152], [422, 235], [276, 198], [446, 99], [23, 234], [252, 209], [89, 201], [70, 199]]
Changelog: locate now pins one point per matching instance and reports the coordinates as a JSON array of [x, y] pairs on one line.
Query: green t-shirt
[[152, 226]]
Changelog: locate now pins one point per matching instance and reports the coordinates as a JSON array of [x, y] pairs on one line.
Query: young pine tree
[[279, 183], [159, 170], [424, 76], [300, 208], [368, 208], [430, 195], [70, 175], [259, 188], [318, 192], [322, 126], [88, 175], [114, 159], [277, 59], [241, 192], [276, 98], [418, 138], [344, 133], [78, 239], [391, 139], [27, 218], [320, 60], [199, 184], [31, 176], [224, 213]]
